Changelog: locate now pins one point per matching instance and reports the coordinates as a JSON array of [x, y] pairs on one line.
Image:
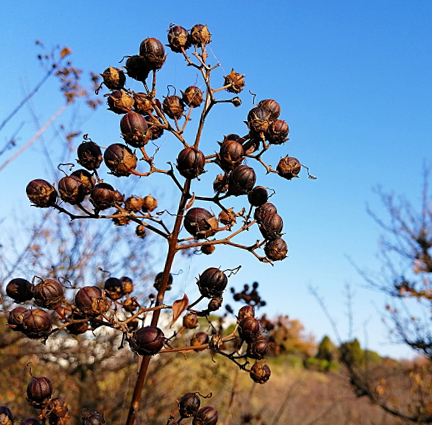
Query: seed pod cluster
[[33, 323], [189, 406]]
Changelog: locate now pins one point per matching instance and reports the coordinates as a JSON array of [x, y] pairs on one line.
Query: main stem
[[172, 250]]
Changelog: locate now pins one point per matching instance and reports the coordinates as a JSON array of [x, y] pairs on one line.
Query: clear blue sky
[[354, 83]]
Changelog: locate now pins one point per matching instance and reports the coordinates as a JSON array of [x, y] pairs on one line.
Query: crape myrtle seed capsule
[[200, 35], [215, 304], [134, 128], [178, 38], [264, 210], [148, 340], [158, 281], [89, 155], [260, 373], [200, 223], [91, 300], [138, 69], [245, 311], [71, 190], [249, 328], [212, 282], [16, 318], [6, 417], [37, 324], [103, 196], [241, 180], [173, 106], [119, 102], [120, 160], [49, 293], [77, 328], [258, 196], [57, 408], [39, 391], [231, 154], [258, 119], [113, 78], [235, 83], [208, 249], [207, 415], [30, 421], [199, 338], [276, 249], [143, 103], [272, 107], [20, 290], [271, 226], [149, 203], [153, 52], [277, 132], [190, 321], [189, 405], [87, 180], [41, 193], [134, 203], [220, 183], [113, 288], [140, 231], [288, 167], [93, 418], [190, 163], [127, 285], [192, 96], [258, 349]]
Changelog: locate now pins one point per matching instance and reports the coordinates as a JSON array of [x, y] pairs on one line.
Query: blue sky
[[354, 83]]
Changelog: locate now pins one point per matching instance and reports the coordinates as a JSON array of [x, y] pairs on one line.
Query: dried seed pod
[[188, 405], [260, 373], [200, 35], [212, 282], [208, 249], [221, 183], [41, 193], [30, 421], [153, 52], [134, 203], [121, 219], [258, 196], [77, 328], [119, 102], [57, 407], [20, 290], [199, 338], [289, 167], [200, 223], [49, 293], [148, 340], [258, 119], [178, 38], [207, 415], [91, 300], [87, 180], [227, 217], [271, 226], [140, 231], [249, 328], [137, 68], [134, 129], [190, 321], [258, 349], [192, 96], [156, 128], [158, 281], [71, 190], [215, 304], [190, 163], [93, 418], [143, 103], [39, 391], [173, 106], [231, 154], [271, 106], [150, 203], [16, 318], [89, 155], [276, 249], [37, 324], [113, 288], [6, 417], [120, 160], [241, 180], [234, 81], [104, 196], [264, 210], [277, 132], [130, 304], [245, 311], [114, 78], [127, 285]]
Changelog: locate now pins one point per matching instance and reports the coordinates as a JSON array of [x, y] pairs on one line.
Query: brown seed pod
[[37, 324], [190, 163], [89, 155], [258, 119], [120, 160], [221, 183], [49, 293], [87, 180], [276, 249], [156, 128], [158, 281], [188, 405], [134, 129], [200, 35], [16, 318], [41, 193], [137, 68], [119, 102], [200, 223], [91, 301], [20, 290], [258, 196], [30, 421], [140, 231], [71, 190], [277, 132], [127, 285], [227, 217], [241, 180], [271, 226], [192, 96], [6, 417], [57, 408], [208, 249], [231, 154], [207, 415], [289, 167], [245, 311], [153, 52], [212, 282], [134, 203], [215, 304], [93, 418], [190, 321], [249, 328], [104, 196], [173, 106], [178, 38], [114, 78], [200, 338], [271, 106], [260, 373], [77, 328], [258, 349], [148, 340], [149, 203], [264, 210], [113, 288], [143, 103], [235, 82]]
